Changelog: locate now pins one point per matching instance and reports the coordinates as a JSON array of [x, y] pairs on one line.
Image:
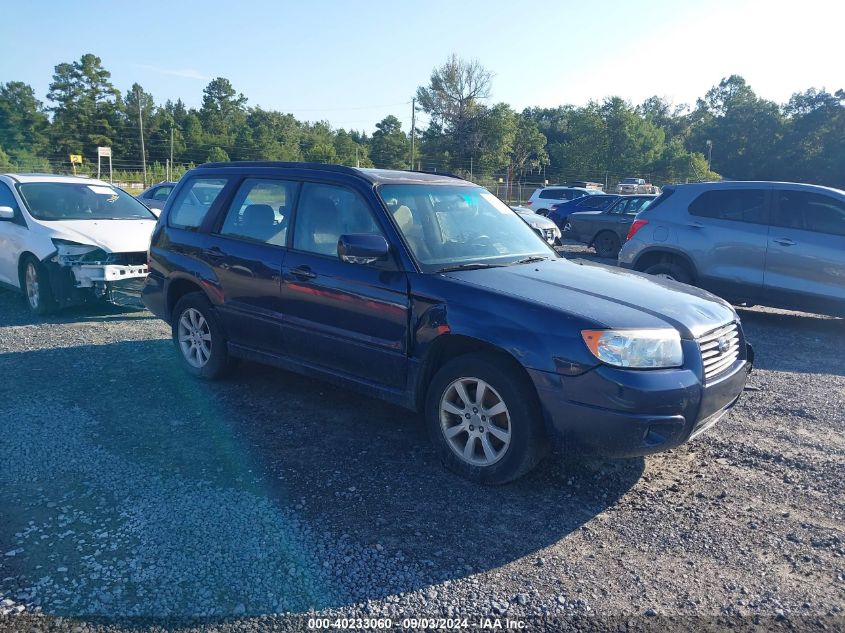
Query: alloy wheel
[[33, 292], [475, 421], [194, 338]]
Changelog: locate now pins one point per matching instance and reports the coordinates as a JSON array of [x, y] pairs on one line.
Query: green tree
[[744, 130], [529, 146], [87, 108], [453, 101], [269, 135], [23, 123], [217, 155], [390, 147], [223, 112]]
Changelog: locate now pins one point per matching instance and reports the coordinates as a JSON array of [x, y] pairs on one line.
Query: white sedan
[[66, 240]]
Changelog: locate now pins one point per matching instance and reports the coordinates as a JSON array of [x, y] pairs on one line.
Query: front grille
[[719, 349]]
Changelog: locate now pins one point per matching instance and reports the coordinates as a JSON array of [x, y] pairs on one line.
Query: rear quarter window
[[194, 201]]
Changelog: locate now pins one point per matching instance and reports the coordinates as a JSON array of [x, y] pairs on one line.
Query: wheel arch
[[22, 259], [447, 347], [659, 255], [178, 288]]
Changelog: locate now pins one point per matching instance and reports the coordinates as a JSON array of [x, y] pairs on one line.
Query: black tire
[[607, 244], [35, 284], [215, 363], [527, 441], [671, 270], [543, 212]]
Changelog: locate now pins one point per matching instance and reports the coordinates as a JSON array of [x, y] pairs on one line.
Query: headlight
[[70, 252], [636, 348]]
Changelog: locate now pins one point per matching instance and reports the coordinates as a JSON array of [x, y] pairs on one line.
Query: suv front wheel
[[199, 338], [484, 419]]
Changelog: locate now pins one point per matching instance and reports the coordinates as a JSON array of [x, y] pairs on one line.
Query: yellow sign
[[76, 159]]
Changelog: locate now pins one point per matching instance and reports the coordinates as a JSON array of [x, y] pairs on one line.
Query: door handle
[[303, 272], [785, 241], [695, 225]]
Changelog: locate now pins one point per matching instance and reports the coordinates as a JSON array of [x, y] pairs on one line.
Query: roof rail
[[289, 164], [447, 174]]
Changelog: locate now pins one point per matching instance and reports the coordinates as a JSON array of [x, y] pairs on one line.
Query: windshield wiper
[[467, 266], [529, 260]]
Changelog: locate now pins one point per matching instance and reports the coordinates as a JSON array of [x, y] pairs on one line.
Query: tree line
[[729, 131]]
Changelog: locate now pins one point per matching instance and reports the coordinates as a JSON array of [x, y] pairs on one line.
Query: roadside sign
[[76, 159], [104, 152]]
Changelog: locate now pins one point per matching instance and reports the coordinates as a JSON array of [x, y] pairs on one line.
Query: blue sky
[[352, 63]]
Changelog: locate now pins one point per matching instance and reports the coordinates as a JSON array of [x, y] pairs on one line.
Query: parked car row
[[429, 292]]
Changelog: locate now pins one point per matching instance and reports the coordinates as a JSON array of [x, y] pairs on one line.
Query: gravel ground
[[134, 497]]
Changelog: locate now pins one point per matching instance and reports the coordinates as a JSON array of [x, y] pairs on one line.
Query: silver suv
[[770, 243]]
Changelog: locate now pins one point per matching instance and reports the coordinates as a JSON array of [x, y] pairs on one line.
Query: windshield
[[629, 181], [447, 226], [81, 201]]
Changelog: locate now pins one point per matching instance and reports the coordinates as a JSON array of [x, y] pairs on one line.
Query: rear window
[[663, 197], [736, 205], [194, 201]]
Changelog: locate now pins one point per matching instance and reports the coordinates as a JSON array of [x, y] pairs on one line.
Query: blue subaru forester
[[427, 291]]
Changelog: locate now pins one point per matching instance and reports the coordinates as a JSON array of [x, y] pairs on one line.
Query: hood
[[539, 220], [113, 236], [607, 296]]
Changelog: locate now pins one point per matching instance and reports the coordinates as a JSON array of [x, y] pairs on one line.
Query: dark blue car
[[560, 212], [427, 291]]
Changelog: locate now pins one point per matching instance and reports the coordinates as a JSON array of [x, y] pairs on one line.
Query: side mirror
[[7, 213], [362, 248]]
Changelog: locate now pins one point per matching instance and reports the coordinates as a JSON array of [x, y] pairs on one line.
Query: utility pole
[[470, 167], [170, 171], [357, 161], [709, 153], [141, 124], [413, 128]]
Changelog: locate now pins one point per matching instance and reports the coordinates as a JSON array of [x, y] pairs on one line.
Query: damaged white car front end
[[101, 271]]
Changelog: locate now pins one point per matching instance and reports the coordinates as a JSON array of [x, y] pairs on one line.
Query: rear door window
[[194, 201], [737, 205], [809, 211], [260, 211]]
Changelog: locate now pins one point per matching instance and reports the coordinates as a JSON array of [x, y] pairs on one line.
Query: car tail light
[[636, 226], [528, 204]]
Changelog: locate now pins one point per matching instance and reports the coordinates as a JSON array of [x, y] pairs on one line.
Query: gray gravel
[[136, 497]]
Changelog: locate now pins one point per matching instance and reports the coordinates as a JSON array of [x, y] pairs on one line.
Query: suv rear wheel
[[199, 338], [483, 417], [670, 270]]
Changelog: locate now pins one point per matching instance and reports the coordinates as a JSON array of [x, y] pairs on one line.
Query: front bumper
[[623, 413], [76, 284]]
